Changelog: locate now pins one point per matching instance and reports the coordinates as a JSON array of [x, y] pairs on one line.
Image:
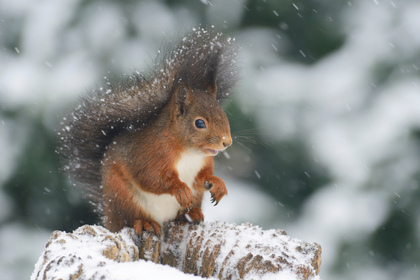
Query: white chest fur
[[164, 207], [188, 167]]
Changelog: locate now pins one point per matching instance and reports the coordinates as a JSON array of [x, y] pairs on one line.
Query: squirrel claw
[[214, 200], [149, 226], [217, 189]]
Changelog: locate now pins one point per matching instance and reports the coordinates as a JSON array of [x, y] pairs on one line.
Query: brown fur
[[147, 159], [127, 143]]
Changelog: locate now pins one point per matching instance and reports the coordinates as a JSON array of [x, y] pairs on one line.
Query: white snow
[[89, 248], [143, 269], [66, 254]]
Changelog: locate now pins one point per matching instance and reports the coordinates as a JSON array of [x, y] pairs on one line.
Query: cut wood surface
[[219, 250]]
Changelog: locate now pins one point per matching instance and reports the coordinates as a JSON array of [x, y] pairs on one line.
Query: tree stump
[[229, 251], [218, 250]]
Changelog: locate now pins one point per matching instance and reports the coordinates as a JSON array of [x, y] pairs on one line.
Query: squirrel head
[[200, 79], [198, 121]]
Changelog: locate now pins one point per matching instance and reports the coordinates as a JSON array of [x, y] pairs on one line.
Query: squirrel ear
[[182, 99], [210, 76]]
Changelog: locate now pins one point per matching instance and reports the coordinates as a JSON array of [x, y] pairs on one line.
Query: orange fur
[[143, 149], [218, 189], [143, 164], [120, 211]]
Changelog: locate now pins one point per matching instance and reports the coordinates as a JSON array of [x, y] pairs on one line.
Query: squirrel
[[142, 150]]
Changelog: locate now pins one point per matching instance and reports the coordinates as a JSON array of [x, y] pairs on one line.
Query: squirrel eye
[[199, 123]]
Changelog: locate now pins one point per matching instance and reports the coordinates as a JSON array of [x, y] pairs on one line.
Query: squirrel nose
[[227, 141]]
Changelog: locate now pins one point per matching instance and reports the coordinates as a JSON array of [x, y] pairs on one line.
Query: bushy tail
[[109, 111]]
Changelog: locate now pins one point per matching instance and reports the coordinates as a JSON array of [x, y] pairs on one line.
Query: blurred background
[[326, 119]]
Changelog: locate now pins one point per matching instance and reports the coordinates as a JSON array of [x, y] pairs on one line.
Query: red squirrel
[[143, 149]]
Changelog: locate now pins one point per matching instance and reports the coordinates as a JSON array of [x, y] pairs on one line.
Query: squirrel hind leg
[[148, 226]]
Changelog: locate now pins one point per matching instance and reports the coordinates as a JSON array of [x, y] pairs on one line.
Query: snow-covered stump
[[229, 251], [220, 250]]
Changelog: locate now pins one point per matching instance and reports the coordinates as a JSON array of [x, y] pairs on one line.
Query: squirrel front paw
[[184, 195], [217, 188]]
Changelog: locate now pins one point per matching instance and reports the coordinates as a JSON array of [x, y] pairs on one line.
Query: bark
[[228, 251], [220, 250]]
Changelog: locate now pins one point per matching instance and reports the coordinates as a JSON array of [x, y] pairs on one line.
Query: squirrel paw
[[184, 196], [150, 226], [194, 216], [217, 189]]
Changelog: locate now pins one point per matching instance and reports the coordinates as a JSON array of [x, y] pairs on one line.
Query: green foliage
[[309, 25], [42, 197], [398, 235]]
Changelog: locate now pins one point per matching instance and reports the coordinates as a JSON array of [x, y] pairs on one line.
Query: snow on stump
[[219, 250], [229, 251]]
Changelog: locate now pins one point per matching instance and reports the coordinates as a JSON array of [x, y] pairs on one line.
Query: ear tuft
[[204, 61], [183, 98], [209, 79]]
